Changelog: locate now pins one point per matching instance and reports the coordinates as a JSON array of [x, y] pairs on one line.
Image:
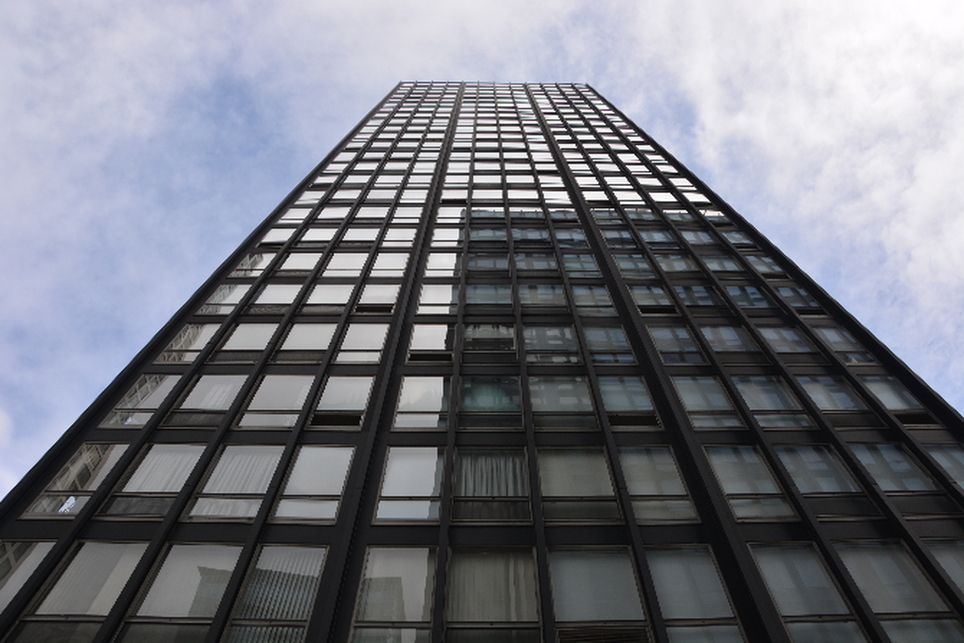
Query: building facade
[[499, 369]]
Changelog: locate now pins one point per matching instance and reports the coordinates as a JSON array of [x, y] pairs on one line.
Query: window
[[677, 263], [484, 295], [576, 485], [830, 393], [490, 485], [650, 297], [542, 295], [891, 393], [608, 345], [343, 400], [654, 483], [748, 484], [728, 339], [816, 469], [188, 343], [491, 589], [306, 343], [592, 300], [580, 265], [718, 263], [634, 266], [236, 486], [189, 584], [786, 340], [73, 485], [625, 394], [214, 392], [594, 585], [93, 580], [153, 485], [329, 298], [395, 599], [702, 394], [315, 484], [423, 402], [675, 345], [411, 485], [889, 578], [362, 344], [748, 297], [766, 393], [245, 343], [797, 297], [951, 457], [18, 560], [538, 262], [490, 394], [138, 404], [551, 344], [891, 468], [278, 595], [275, 298], [559, 394], [802, 589], [277, 402], [438, 299], [689, 588], [844, 345], [698, 296], [764, 265]]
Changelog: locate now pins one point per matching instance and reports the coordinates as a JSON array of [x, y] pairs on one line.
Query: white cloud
[[139, 143]]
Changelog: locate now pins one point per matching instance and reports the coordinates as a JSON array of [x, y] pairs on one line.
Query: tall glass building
[[500, 369]]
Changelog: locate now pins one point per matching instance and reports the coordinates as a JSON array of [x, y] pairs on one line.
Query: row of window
[[490, 594]]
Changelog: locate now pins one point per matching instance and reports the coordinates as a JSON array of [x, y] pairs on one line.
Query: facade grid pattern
[[499, 369]]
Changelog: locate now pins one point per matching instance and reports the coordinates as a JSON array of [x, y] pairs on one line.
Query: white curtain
[[492, 586]]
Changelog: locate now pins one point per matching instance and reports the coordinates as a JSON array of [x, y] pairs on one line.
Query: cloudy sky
[[140, 142]]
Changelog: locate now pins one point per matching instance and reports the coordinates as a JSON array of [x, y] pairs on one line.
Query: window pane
[[594, 586], [740, 470], [87, 468], [559, 394], [651, 471], [687, 583], [624, 393], [816, 469], [308, 337], [728, 338], [346, 393], [282, 584], [574, 472], [243, 469], [319, 470], [397, 585], [891, 468], [191, 581], [890, 392], [490, 394], [830, 393], [798, 581], [215, 392], [250, 337], [702, 394], [889, 578], [165, 468], [786, 340], [93, 580], [18, 560], [951, 457], [492, 586], [766, 393], [281, 392]]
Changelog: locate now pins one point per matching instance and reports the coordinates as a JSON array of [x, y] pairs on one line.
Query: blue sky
[[140, 143]]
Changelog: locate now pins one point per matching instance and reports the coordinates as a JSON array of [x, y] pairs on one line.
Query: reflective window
[[278, 594], [490, 484], [18, 560], [816, 469], [951, 457], [152, 487], [594, 585], [362, 344], [891, 468], [580, 265], [559, 394], [437, 299], [423, 402], [551, 344], [576, 485], [891, 393], [645, 296], [889, 578], [748, 484], [728, 339], [766, 393], [190, 583], [748, 296], [830, 393], [798, 581], [188, 343], [490, 394], [843, 344], [278, 401], [214, 392], [702, 393], [634, 266], [412, 484], [688, 584], [698, 296], [654, 482], [93, 580], [786, 340], [73, 485], [491, 587], [237, 484], [315, 484], [675, 345], [395, 595]]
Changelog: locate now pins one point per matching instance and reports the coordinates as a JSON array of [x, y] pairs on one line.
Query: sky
[[141, 142]]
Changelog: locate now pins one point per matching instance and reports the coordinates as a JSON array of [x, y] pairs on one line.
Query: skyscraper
[[499, 369]]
